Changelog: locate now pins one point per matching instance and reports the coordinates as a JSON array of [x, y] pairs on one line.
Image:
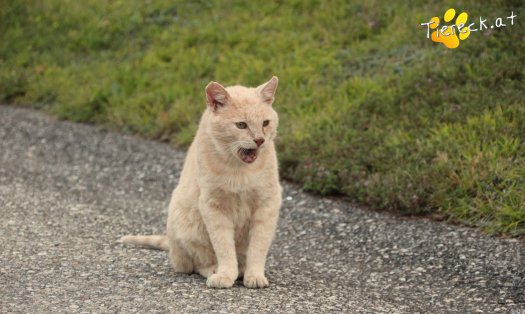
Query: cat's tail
[[157, 242]]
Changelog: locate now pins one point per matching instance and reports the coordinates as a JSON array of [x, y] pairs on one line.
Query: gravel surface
[[69, 191]]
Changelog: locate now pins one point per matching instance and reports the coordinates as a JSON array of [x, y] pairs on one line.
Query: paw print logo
[[450, 35]]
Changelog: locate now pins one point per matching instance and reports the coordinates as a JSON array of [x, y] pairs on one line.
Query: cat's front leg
[[221, 231], [262, 230]]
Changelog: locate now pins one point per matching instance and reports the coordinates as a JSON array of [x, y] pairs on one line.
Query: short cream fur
[[223, 213]]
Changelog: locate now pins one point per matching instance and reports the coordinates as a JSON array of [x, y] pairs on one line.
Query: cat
[[223, 213]]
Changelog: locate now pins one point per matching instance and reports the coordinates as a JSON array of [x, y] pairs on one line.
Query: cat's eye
[[266, 122], [241, 125]]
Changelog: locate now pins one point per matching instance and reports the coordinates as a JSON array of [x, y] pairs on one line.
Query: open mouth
[[248, 155]]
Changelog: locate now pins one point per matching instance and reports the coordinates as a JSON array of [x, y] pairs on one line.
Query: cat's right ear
[[267, 90], [216, 96]]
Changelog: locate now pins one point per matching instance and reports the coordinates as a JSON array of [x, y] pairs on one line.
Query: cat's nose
[[259, 141]]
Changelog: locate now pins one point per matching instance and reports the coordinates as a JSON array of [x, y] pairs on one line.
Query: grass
[[369, 107]]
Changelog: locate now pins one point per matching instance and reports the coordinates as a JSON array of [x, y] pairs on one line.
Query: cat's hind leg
[[180, 259], [205, 261], [207, 271]]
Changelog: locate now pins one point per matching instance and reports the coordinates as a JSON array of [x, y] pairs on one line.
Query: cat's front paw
[[219, 281], [255, 281]]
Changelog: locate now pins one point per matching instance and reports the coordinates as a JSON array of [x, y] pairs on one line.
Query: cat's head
[[242, 122]]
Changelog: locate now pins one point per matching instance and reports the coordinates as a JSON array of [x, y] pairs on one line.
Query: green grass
[[369, 107]]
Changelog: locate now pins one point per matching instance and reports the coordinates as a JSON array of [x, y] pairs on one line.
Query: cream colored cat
[[223, 213]]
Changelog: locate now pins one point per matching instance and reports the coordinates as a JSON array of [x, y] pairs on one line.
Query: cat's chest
[[238, 206], [239, 194], [242, 184]]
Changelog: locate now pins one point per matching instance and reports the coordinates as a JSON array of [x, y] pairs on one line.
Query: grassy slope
[[369, 107]]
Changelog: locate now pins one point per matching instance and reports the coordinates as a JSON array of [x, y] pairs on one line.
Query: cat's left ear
[[267, 90], [216, 96]]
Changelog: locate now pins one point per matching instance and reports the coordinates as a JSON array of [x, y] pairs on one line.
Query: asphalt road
[[68, 192]]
